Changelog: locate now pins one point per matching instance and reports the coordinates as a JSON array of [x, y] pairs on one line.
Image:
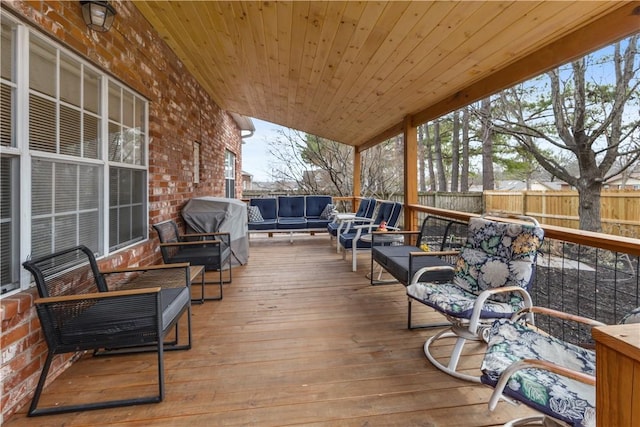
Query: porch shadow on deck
[[299, 339]]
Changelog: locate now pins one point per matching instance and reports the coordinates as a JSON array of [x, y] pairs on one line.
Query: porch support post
[[410, 134], [356, 176]]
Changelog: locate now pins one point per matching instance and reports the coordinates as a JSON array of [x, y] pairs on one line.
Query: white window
[[74, 161], [229, 174]]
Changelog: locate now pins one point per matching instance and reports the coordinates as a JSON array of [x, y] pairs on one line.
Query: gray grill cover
[[213, 214]]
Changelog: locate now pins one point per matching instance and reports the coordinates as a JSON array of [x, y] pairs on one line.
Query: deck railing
[[594, 275]]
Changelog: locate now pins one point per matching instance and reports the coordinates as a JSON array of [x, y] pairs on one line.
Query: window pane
[[69, 80], [127, 110], [6, 50], [91, 91], [127, 206], [130, 144], [115, 142], [91, 136], [114, 102], [66, 232], [90, 230], [41, 187], [42, 124], [90, 179], [8, 226], [66, 206], [124, 196], [140, 115], [69, 131], [65, 185], [139, 186], [41, 237], [124, 224], [6, 115], [42, 67]]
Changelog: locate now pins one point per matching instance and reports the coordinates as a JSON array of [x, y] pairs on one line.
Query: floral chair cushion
[[562, 398], [457, 302], [498, 254]]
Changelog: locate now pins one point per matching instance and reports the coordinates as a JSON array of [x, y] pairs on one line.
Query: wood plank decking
[[298, 339]]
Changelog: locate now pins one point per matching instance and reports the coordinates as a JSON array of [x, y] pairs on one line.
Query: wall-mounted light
[[98, 15]]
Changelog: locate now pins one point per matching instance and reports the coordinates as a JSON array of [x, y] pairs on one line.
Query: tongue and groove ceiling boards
[[354, 71]]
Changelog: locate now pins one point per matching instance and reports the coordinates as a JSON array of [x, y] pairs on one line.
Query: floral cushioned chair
[[493, 272], [546, 373]]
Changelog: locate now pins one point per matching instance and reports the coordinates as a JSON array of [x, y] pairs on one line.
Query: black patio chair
[[78, 312], [211, 250]]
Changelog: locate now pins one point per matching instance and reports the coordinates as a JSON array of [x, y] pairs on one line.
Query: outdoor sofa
[[310, 213]]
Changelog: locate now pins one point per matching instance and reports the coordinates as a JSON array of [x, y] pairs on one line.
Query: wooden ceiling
[[355, 72]]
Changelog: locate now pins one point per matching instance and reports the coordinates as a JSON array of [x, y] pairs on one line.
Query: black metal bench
[[79, 312], [442, 237]]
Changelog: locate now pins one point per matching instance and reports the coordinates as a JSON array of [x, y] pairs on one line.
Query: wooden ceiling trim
[[614, 26]]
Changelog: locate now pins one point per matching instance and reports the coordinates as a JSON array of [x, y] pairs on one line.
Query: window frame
[[21, 155], [230, 178]]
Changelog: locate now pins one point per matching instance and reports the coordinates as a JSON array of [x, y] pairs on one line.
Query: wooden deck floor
[[299, 339]]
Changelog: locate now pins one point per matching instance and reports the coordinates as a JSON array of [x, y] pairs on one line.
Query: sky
[[255, 150]]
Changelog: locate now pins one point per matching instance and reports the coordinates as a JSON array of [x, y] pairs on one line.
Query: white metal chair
[[389, 212], [493, 272], [342, 221]]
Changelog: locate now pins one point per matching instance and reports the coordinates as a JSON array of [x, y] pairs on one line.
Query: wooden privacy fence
[[619, 210]]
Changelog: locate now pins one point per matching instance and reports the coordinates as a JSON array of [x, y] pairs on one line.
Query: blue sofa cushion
[[318, 223], [291, 207], [315, 205], [270, 224], [268, 207], [292, 223]]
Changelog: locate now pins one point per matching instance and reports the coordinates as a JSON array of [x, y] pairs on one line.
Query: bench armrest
[[145, 268], [95, 296], [194, 243]]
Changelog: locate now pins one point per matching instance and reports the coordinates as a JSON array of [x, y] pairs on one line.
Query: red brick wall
[[180, 112]]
